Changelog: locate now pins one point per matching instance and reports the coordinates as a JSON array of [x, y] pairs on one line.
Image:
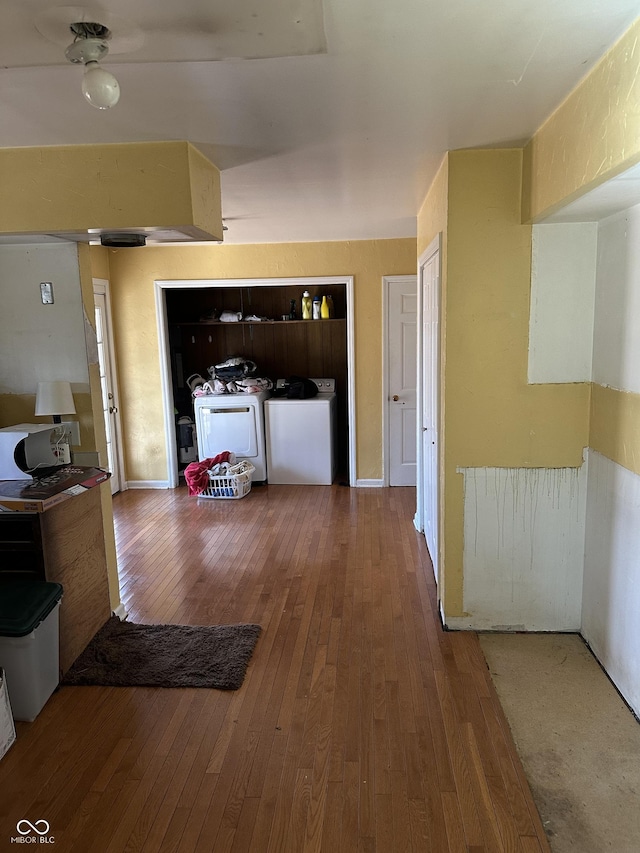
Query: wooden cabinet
[[65, 545], [21, 552]]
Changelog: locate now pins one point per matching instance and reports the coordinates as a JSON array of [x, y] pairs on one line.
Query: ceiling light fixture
[[99, 86]]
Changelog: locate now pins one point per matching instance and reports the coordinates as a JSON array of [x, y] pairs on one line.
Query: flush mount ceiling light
[[99, 86]]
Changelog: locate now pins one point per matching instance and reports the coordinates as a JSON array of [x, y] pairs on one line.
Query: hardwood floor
[[361, 725]]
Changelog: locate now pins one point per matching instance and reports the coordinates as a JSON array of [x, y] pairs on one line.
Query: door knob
[[395, 398]]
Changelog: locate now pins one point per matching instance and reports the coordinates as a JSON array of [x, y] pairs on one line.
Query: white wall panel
[[563, 274], [611, 587], [616, 349], [40, 342], [523, 548]]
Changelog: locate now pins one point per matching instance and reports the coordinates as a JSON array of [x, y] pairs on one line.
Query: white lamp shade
[[100, 87], [54, 398]]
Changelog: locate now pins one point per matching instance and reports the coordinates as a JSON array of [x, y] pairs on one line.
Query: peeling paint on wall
[[524, 531]]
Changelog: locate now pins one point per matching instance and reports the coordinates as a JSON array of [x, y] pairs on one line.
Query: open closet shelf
[[258, 323]]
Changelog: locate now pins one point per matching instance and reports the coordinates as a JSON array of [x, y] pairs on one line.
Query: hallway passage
[[361, 725]]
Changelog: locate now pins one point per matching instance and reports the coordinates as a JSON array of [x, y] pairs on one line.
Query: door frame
[[435, 246], [160, 286], [102, 286], [387, 282]]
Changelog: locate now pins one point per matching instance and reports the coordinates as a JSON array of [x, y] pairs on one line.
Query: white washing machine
[[301, 436], [233, 422]]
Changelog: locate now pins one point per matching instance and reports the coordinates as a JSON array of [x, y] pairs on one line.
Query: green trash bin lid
[[25, 604]]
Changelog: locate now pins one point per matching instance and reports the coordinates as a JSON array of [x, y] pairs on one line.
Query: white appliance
[[301, 437], [233, 422], [27, 447]]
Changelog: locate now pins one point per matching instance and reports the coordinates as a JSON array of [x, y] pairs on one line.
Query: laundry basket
[[236, 483]]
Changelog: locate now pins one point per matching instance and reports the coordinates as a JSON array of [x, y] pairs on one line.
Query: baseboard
[[148, 484], [370, 484], [120, 611], [484, 625]]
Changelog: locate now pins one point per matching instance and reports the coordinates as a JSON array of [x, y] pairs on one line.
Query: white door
[[107, 383], [401, 379], [429, 272]]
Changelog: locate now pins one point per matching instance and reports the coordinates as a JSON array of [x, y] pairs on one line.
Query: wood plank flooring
[[361, 724]]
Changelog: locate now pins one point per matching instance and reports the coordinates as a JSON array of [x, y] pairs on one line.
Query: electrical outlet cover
[[73, 429], [46, 292]]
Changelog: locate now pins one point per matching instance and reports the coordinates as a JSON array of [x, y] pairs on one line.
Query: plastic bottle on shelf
[[316, 306], [324, 309], [306, 305], [330, 304]]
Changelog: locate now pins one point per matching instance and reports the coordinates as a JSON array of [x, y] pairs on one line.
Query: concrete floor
[[578, 741]]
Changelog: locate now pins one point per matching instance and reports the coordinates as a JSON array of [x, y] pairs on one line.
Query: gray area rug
[[127, 654]]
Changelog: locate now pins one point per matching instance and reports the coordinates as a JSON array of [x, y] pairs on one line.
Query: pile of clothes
[[235, 375], [230, 317], [196, 474]]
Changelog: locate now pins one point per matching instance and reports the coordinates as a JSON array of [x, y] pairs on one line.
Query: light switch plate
[[46, 292], [73, 429]]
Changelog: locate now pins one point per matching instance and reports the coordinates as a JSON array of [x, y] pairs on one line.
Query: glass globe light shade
[[100, 87]]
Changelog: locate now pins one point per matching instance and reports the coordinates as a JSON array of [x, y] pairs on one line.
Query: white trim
[[433, 247], [351, 380], [370, 484], [165, 384], [387, 280], [165, 368], [102, 285], [120, 612], [149, 484], [466, 623]]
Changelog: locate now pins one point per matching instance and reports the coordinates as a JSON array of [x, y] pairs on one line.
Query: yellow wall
[[492, 416], [615, 426], [132, 275], [488, 291], [70, 188], [591, 137], [432, 217], [98, 434], [100, 262]]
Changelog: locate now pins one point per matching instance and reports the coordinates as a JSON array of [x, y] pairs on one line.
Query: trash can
[[29, 644]]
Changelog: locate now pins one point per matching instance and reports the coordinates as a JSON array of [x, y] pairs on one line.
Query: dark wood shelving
[[280, 348], [221, 324]]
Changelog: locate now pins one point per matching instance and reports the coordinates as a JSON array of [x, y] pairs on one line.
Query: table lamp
[[54, 398]]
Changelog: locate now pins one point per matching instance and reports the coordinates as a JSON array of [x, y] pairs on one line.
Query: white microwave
[[25, 448]]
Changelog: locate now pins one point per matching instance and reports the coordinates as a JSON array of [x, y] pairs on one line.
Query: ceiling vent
[[123, 240]]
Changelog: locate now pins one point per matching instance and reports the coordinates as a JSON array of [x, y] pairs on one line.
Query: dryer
[[233, 422], [301, 437]]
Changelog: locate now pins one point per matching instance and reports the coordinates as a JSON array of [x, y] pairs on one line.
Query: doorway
[[399, 379], [428, 404], [108, 382], [300, 284]]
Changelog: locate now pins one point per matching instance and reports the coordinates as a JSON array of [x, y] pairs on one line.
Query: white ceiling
[[337, 131]]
